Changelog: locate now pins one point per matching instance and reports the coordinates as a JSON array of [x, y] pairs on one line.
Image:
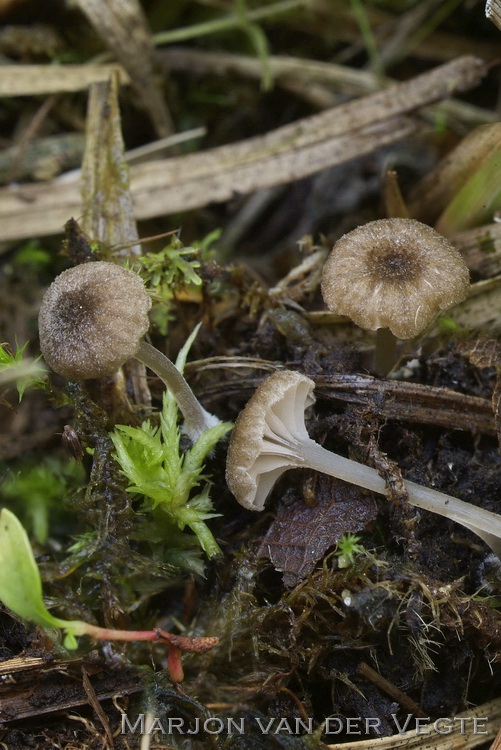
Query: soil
[[409, 624]]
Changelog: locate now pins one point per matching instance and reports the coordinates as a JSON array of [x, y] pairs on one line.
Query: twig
[[123, 26], [29, 134], [94, 702], [390, 689], [496, 745], [390, 399]]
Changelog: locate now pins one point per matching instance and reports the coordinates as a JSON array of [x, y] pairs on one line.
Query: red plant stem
[[174, 664], [183, 643], [176, 643]]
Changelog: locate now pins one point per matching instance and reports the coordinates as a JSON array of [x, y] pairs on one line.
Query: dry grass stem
[[124, 29], [434, 192], [493, 12], [481, 310], [314, 81], [94, 702], [288, 153], [390, 689], [42, 80], [481, 249], [434, 741], [108, 214]]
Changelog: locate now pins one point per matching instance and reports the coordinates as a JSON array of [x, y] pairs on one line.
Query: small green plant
[[152, 460], [33, 256], [494, 602], [171, 271], [347, 547], [21, 592], [25, 373], [20, 583], [449, 326], [174, 265], [241, 18]]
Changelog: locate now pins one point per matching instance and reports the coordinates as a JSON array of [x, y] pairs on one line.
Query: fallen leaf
[[300, 535]]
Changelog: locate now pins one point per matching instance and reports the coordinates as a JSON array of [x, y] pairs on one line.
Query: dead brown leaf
[[300, 535]]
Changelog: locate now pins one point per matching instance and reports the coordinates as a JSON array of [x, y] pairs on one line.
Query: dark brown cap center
[[76, 308], [393, 265]]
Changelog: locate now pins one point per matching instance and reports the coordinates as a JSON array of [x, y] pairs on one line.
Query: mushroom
[[270, 437], [395, 275], [92, 320]]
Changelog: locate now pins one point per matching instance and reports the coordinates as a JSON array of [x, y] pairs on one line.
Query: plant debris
[[300, 535], [246, 137]]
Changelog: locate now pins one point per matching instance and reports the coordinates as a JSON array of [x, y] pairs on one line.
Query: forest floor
[[343, 617]]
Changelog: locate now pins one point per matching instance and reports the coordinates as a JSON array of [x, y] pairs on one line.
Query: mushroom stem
[[385, 353], [196, 419], [482, 522], [270, 437]]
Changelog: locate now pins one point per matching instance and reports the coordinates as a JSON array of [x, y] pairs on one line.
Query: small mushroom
[[270, 437], [395, 274], [92, 320]]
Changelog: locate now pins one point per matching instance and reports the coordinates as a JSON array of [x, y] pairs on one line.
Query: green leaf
[[36, 487], [205, 444], [477, 200], [208, 240], [259, 41], [20, 583], [33, 256]]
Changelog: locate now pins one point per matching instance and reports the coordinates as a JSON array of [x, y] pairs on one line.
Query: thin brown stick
[[389, 399], [29, 134], [390, 689], [123, 26], [94, 702]]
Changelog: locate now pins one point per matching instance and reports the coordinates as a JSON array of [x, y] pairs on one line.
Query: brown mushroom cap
[[394, 273], [266, 433], [92, 319]]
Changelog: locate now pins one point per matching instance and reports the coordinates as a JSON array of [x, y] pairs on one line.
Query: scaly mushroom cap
[[394, 273], [266, 435], [92, 319]]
